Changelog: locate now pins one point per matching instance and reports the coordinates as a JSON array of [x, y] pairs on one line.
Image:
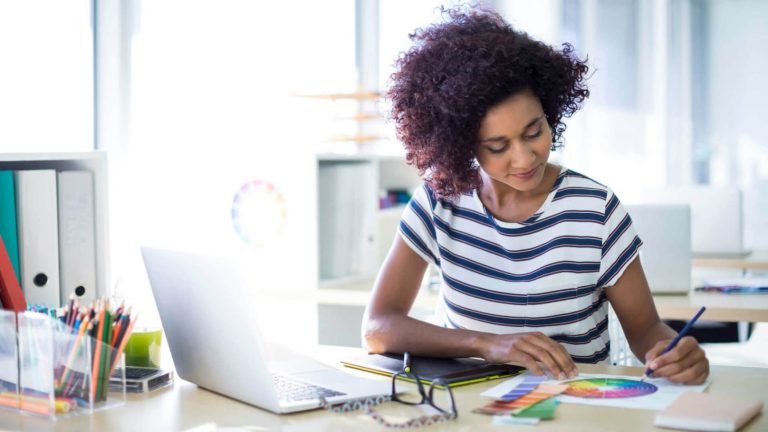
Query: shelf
[[354, 234], [95, 162], [65, 156], [356, 138], [363, 117], [360, 157], [360, 95]]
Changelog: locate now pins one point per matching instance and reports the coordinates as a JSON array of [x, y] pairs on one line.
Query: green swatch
[[542, 410]]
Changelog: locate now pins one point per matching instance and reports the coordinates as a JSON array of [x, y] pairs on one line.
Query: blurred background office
[[214, 112]]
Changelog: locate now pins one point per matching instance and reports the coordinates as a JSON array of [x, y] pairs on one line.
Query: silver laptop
[[717, 226], [665, 230], [215, 342]]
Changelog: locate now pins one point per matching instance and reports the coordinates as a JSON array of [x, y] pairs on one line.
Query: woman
[[529, 252]]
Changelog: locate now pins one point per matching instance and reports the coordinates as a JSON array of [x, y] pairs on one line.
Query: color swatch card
[[609, 390], [530, 382], [541, 393], [543, 410]]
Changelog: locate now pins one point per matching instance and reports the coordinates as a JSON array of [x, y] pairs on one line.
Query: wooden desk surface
[[720, 307], [185, 406], [757, 260]]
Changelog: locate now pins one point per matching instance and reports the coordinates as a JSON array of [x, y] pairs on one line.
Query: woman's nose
[[522, 156]]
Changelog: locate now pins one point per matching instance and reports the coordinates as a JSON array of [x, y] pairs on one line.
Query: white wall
[[738, 90], [738, 93]]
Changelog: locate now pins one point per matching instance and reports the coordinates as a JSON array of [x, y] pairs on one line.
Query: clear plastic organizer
[[48, 370]]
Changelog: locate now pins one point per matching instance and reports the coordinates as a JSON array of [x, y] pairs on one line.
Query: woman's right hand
[[530, 349]]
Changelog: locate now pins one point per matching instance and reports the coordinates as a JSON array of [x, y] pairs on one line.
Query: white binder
[[37, 222], [77, 241]]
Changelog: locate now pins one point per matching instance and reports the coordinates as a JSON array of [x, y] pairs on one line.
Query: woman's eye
[[534, 136], [498, 150]]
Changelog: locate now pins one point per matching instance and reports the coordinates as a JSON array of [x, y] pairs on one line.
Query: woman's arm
[[648, 335], [388, 328]]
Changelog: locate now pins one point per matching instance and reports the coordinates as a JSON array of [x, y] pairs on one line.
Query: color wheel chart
[[258, 213], [608, 388]]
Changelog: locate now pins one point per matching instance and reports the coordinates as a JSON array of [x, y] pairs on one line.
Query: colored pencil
[[97, 352], [683, 332], [123, 341], [106, 356], [73, 353]]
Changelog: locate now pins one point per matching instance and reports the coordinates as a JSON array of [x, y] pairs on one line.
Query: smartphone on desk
[[141, 379]]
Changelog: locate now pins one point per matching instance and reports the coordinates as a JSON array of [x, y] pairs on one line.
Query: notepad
[[456, 372], [708, 412]]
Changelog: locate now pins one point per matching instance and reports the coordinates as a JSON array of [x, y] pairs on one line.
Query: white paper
[[666, 394], [509, 420]]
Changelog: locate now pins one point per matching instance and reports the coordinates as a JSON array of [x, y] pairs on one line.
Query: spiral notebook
[[456, 372]]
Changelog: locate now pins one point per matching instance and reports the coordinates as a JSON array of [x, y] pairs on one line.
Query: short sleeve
[[417, 228], [620, 242]]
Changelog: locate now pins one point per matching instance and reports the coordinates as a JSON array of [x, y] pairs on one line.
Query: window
[[213, 108], [46, 81]]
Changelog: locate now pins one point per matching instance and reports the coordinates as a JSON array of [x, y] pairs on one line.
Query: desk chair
[[751, 353], [620, 354]]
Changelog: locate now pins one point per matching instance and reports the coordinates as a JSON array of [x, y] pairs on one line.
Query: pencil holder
[[9, 360], [63, 373]]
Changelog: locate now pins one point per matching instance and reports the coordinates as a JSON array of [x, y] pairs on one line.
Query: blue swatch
[[529, 383]]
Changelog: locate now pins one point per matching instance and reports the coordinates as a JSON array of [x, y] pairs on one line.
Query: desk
[[185, 406], [757, 260], [720, 307]]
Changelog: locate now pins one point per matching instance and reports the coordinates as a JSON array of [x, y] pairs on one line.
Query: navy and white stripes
[[545, 274]]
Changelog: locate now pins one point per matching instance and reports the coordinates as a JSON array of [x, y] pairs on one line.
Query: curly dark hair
[[455, 72]]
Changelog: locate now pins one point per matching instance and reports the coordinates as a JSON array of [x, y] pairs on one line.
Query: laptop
[[665, 230], [215, 342], [717, 226]]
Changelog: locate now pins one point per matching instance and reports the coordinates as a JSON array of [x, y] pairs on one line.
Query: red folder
[[10, 291]]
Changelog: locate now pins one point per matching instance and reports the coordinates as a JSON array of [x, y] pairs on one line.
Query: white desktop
[[665, 230]]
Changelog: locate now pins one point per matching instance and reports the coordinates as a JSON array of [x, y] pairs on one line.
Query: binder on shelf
[[8, 228], [10, 291], [37, 220], [77, 242]]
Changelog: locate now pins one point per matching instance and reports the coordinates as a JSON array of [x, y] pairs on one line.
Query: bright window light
[[46, 81]]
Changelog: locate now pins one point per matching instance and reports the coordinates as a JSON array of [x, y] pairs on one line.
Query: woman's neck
[[509, 204]]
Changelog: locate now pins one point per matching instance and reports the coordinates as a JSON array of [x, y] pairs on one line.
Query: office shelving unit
[[96, 163], [354, 234]]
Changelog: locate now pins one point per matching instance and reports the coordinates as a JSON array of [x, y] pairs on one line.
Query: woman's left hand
[[686, 363]]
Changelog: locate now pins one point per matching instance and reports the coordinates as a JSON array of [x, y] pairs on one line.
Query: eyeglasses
[[441, 400]]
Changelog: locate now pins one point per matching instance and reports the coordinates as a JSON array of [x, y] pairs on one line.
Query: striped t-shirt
[[545, 274]]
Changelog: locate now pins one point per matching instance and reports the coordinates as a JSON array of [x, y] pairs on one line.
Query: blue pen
[[677, 338]]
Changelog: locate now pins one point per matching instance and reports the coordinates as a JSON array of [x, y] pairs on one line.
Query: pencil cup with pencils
[[63, 367], [9, 358]]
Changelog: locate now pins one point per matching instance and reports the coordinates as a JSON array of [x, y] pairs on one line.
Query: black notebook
[[456, 372]]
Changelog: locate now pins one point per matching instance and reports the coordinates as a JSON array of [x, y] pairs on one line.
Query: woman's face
[[514, 142]]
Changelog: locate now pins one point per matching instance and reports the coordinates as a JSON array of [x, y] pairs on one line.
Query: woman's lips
[[527, 174]]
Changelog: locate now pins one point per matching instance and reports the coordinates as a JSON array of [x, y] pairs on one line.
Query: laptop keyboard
[[291, 390]]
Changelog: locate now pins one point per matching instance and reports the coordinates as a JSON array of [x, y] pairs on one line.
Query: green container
[[143, 348]]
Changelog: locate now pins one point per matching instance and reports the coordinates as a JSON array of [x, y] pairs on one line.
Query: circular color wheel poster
[[258, 213], [608, 388]]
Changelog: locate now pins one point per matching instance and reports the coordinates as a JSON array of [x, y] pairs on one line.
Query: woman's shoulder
[[424, 194], [571, 179]]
